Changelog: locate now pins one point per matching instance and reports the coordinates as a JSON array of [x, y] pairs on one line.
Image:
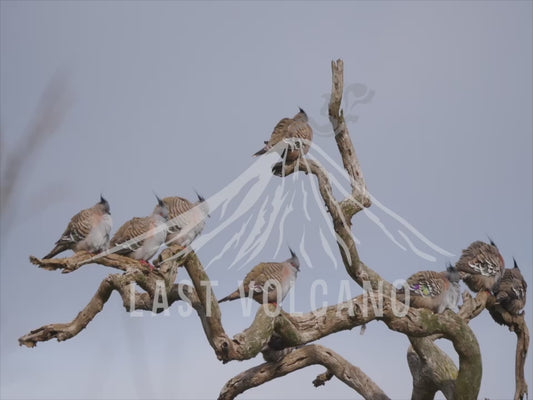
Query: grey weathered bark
[[278, 335], [301, 358], [516, 324]]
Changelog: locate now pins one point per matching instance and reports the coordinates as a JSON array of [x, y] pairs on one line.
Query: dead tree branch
[[298, 359], [431, 368], [280, 332], [516, 324], [360, 198], [81, 258], [136, 273]]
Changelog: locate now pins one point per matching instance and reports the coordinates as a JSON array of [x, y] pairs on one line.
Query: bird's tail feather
[[56, 250], [260, 152], [232, 296]]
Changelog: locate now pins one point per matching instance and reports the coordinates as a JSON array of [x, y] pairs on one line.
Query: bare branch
[[120, 283], [135, 272], [279, 335], [432, 370], [522, 346], [66, 331], [341, 214], [355, 268], [298, 359], [360, 198], [244, 345], [516, 324], [81, 258]]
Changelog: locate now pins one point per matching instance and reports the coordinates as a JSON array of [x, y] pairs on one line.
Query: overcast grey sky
[[176, 96]]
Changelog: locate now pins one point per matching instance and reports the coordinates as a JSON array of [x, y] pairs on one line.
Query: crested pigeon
[[141, 237], [87, 230], [433, 290], [186, 219], [480, 266], [510, 291], [291, 128], [268, 278]]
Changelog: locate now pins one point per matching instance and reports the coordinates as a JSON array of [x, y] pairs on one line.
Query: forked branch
[[283, 332]]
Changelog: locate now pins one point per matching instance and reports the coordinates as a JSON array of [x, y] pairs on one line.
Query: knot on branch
[[223, 349], [323, 378]]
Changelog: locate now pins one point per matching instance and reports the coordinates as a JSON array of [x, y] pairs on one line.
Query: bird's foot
[[278, 169], [147, 264]]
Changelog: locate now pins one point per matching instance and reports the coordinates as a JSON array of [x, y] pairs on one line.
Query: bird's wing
[[518, 278], [280, 132], [177, 206], [426, 283], [512, 285], [481, 259], [299, 129], [128, 232], [261, 273], [78, 228]]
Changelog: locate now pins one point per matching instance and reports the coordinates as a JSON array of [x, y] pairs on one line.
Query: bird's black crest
[[105, 203], [450, 267], [292, 253], [200, 197], [492, 242], [515, 264], [302, 111]]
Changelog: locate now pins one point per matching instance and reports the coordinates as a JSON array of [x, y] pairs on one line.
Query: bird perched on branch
[[481, 266], [87, 230], [186, 219], [511, 290], [268, 282], [291, 128], [433, 290], [141, 238]]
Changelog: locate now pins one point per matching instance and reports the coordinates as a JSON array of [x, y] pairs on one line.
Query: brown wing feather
[[427, 283], [427, 289], [481, 266], [300, 129], [129, 230], [481, 256], [280, 132], [79, 227], [262, 273], [511, 291], [177, 205]]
